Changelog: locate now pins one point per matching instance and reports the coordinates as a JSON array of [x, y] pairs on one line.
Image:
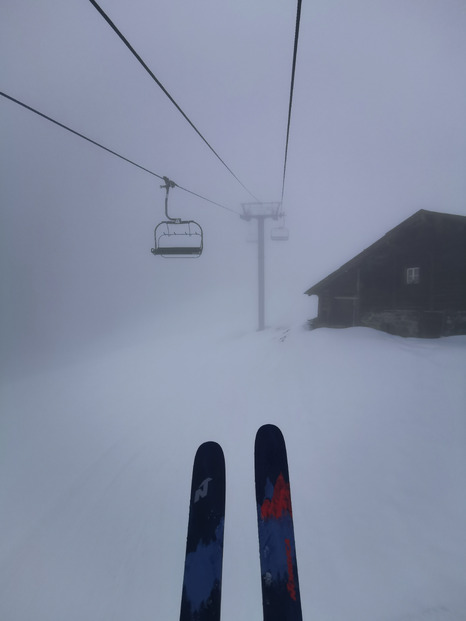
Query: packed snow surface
[[96, 458]]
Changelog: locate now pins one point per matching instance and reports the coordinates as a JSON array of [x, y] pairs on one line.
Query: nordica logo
[[289, 561], [202, 490]]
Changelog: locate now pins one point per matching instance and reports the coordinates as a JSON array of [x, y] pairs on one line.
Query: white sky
[[378, 131]]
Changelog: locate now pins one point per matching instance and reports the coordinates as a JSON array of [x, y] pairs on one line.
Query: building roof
[[420, 216]]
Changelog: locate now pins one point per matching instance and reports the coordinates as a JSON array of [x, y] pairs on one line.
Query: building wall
[[377, 293]]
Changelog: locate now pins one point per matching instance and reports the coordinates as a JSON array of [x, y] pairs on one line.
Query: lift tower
[[260, 212]]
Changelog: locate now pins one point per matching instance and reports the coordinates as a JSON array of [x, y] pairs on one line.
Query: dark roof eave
[[352, 263]]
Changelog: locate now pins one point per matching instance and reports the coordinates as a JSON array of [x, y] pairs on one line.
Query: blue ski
[[280, 588], [202, 581]]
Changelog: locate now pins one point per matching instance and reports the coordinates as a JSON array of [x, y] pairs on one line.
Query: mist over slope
[[96, 462], [115, 366]]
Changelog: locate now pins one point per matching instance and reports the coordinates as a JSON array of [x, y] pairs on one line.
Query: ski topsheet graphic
[[202, 581], [280, 589]]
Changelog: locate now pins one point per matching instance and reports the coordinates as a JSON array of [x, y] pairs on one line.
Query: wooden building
[[411, 282]]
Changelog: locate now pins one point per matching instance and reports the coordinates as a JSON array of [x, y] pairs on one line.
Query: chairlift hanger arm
[[168, 184]]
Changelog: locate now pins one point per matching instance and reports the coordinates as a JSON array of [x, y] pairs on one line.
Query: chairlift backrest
[[279, 233], [178, 239]]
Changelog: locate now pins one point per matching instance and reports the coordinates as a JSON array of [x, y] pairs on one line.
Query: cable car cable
[[97, 144], [293, 70], [136, 55]]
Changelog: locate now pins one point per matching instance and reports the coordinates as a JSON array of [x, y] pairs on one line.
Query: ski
[[280, 589], [202, 580]]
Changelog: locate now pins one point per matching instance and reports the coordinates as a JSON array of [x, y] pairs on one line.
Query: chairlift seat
[[177, 251]]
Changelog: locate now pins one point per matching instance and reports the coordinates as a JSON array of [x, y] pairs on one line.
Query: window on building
[[413, 275]]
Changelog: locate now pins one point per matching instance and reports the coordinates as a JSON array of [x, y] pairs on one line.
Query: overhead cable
[[97, 144], [293, 70], [20, 103], [157, 81]]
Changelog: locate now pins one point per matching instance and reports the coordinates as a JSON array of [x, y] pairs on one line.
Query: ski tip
[[269, 430], [210, 444], [210, 448], [269, 446]]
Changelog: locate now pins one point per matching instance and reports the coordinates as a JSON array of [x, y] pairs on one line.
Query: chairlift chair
[[177, 238], [279, 233]]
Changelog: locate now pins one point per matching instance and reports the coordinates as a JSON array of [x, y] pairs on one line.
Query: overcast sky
[[378, 131]]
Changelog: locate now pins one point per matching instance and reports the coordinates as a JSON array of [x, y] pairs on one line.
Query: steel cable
[[293, 71], [157, 81], [97, 144]]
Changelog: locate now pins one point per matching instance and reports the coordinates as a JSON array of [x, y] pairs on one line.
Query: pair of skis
[[202, 582]]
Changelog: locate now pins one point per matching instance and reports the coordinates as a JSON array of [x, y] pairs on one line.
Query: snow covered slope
[[96, 458]]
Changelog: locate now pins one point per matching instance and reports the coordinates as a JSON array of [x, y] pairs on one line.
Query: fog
[[377, 132]]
